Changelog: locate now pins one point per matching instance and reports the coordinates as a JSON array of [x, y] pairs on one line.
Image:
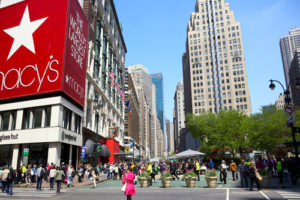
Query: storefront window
[[77, 124], [6, 155], [38, 154], [48, 116], [37, 118]]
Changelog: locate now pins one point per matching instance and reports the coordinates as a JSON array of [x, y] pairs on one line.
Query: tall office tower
[[157, 80], [214, 71], [144, 86], [288, 46], [294, 75], [178, 113], [170, 135]]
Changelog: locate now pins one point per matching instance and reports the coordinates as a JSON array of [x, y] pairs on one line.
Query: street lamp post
[[287, 100], [97, 106]]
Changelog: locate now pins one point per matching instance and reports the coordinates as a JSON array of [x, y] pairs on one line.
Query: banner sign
[[44, 48]]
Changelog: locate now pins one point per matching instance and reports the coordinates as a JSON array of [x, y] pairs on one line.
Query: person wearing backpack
[[59, 174], [40, 175], [4, 176]]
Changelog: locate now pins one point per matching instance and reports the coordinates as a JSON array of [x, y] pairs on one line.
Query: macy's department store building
[[40, 133], [42, 81]]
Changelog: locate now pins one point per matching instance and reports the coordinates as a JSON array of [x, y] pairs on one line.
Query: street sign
[[291, 119], [26, 152], [83, 152], [289, 109]]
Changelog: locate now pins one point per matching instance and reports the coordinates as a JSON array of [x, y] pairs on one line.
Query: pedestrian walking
[[40, 175], [128, 180], [253, 176], [173, 169], [10, 181], [233, 169], [51, 176], [71, 174], [59, 174], [280, 171], [33, 174], [95, 176], [211, 164], [198, 169], [223, 171], [4, 176], [243, 168]]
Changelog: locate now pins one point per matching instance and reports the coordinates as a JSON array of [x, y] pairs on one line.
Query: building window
[[77, 124], [8, 121], [26, 119], [47, 116], [37, 114], [67, 117]]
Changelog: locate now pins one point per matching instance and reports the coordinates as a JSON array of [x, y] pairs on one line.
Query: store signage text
[[68, 137], [9, 137]]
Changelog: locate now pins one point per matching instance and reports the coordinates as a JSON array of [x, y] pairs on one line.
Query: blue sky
[[155, 36]]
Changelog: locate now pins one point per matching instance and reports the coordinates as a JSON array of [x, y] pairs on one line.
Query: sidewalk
[[85, 182]]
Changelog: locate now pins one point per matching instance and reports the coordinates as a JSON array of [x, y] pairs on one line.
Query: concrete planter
[[211, 181], [144, 182], [190, 182], [265, 181], [166, 183]]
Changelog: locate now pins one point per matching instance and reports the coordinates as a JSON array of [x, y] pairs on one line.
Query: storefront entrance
[[6, 155]]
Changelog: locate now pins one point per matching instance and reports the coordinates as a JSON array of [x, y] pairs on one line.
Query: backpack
[[43, 173], [73, 174]]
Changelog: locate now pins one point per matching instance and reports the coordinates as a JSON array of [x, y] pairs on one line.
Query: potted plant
[[144, 178], [211, 178], [190, 179], [266, 177], [166, 179]]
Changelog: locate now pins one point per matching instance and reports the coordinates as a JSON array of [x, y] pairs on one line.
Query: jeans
[[223, 176], [233, 175], [198, 174], [10, 188], [58, 186], [51, 183], [252, 179], [128, 197], [39, 183], [4, 186], [70, 180], [244, 179]]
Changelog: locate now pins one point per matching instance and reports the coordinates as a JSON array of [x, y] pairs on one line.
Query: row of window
[[36, 117], [238, 107]]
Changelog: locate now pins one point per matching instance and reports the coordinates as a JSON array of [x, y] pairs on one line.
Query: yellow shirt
[[197, 166], [149, 168]]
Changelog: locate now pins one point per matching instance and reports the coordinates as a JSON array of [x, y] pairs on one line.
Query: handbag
[[124, 186], [258, 176]]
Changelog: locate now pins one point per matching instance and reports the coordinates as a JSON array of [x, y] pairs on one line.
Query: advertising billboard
[[43, 49]]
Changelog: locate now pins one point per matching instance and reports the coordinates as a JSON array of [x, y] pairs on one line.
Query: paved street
[[158, 193]]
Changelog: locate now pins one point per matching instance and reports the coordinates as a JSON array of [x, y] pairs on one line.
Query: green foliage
[[190, 175], [172, 153], [211, 173], [235, 132], [145, 175], [263, 172], [164, 175]]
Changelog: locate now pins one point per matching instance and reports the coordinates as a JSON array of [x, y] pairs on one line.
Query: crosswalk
[[290, 195], [32, 193]]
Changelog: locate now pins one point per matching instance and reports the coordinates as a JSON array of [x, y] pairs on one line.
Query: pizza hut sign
[[43, 49]]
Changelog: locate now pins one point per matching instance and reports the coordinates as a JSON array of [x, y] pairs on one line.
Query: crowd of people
[[64, 174]]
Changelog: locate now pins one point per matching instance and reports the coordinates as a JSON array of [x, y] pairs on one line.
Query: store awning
[[90, 149]]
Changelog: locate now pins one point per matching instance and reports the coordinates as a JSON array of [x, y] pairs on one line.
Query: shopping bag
[[124, 187], [258, 176]]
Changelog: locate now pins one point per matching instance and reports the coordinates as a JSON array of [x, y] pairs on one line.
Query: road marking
[[262, 193], [227, 194], [289, 195]]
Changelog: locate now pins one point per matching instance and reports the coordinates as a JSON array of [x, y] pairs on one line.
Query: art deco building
[[280, 102], [214, 70], [288, 46], [106, 55]]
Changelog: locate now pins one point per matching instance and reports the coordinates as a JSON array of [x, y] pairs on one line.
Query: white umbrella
[[188, 153]]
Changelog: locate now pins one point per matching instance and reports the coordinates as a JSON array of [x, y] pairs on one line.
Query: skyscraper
[[178, 114], [288, 46], [214, 71], [294, 75], [157, 80]]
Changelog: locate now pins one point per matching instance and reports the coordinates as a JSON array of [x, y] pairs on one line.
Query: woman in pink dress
[[129, 178]]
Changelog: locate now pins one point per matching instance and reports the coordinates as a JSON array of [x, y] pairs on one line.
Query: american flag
[[112, 76], [123, 96], [130, 112], [118, 85]]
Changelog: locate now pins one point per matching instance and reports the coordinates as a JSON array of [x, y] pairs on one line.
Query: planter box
[[211, 181], [166, 183], [190, 182], [144, 182], [265, 181]]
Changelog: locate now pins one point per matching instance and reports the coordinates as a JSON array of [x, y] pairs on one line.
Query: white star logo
[[67, 78], [22, 34]]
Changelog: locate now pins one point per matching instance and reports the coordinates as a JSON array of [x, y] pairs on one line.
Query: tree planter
[[265, 181], [211, 181], [190, 182], [166, 182], [144, 182]]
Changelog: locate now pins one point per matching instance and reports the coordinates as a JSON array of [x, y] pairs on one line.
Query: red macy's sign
[[44, 48]]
